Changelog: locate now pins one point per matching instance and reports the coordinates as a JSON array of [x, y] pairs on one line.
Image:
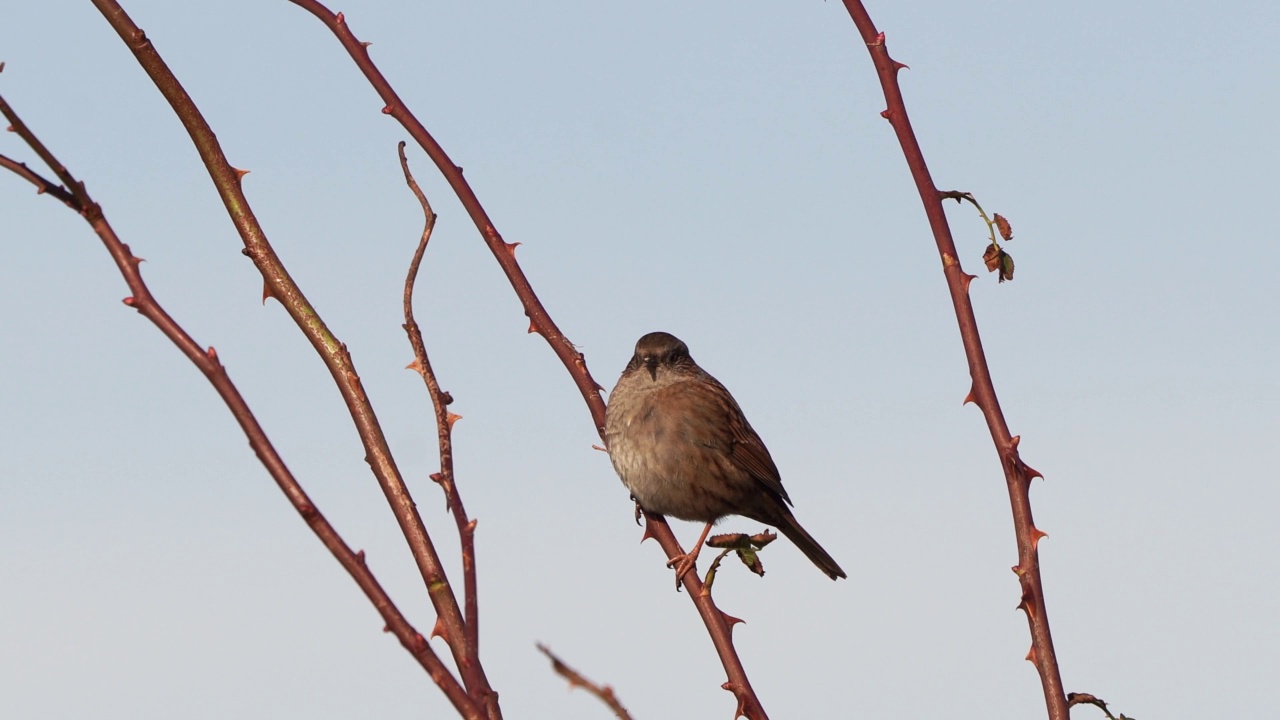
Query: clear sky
[[716, 170]]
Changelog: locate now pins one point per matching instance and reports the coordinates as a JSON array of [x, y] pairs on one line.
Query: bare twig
[[718, 624], [1018, 475], [1074, 699], [575, 678], [206, 360], [440, 401]]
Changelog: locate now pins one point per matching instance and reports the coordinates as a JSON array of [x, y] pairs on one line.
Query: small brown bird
[[682, 446]]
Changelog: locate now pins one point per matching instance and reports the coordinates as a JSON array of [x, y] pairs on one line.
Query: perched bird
[[682, 446]]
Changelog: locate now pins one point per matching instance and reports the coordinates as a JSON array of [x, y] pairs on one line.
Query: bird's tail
[[810, 547]]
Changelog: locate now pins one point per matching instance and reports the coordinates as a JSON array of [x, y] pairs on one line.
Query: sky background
[[716, 170]]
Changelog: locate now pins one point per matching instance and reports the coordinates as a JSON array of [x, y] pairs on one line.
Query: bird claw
[[683, 564]]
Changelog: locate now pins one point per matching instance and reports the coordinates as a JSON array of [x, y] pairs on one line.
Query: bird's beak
[[651, 363]]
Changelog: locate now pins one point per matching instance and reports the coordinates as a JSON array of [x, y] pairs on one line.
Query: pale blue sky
[[716, 170]]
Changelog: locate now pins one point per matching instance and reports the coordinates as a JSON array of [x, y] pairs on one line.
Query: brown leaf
[[1002, 225]]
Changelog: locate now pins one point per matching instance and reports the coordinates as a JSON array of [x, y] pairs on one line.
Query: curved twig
[[440, 401]]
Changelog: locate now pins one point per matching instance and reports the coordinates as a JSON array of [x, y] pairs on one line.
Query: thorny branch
[[440, 401], [207, 361], [450, 624], [1018, 475]]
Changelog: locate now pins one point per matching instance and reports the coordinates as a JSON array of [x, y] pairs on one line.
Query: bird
[[683, 447]]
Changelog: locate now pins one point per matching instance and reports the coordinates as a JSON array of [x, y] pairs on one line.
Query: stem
[[1018, 475]]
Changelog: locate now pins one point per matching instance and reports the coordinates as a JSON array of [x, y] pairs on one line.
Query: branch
[[206, 360], [1018, 475], [278, 284], [541, 323], [575, 678], [440, 401]]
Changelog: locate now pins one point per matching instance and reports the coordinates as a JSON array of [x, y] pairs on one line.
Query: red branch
[[540, 322], [206, 360], [440, 401], [280, 285], [1018, 475]]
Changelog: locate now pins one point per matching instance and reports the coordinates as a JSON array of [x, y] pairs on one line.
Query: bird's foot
[[683, 564]]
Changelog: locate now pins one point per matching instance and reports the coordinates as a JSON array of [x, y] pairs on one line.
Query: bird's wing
[[730, 431]]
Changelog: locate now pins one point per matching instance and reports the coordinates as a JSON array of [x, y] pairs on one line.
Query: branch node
[[129, 301], [211, 354]]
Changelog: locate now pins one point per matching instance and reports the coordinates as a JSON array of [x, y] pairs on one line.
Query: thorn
[[1031, 656], [647, 535], [437, 477], [438, 630], [128, 301], [266, 293], [1031, 472], [969, 398], [365, 45], [597, 447], [966, 278], [1015, 440], [471, 526], [511, 248], [1027, 606], [211, 354], [1036, 534], [451, 418], [135, 259], [730, 620], [415, 366], [741, 710], [239, 173], [599, 387], [900, 66], [532, 327]]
